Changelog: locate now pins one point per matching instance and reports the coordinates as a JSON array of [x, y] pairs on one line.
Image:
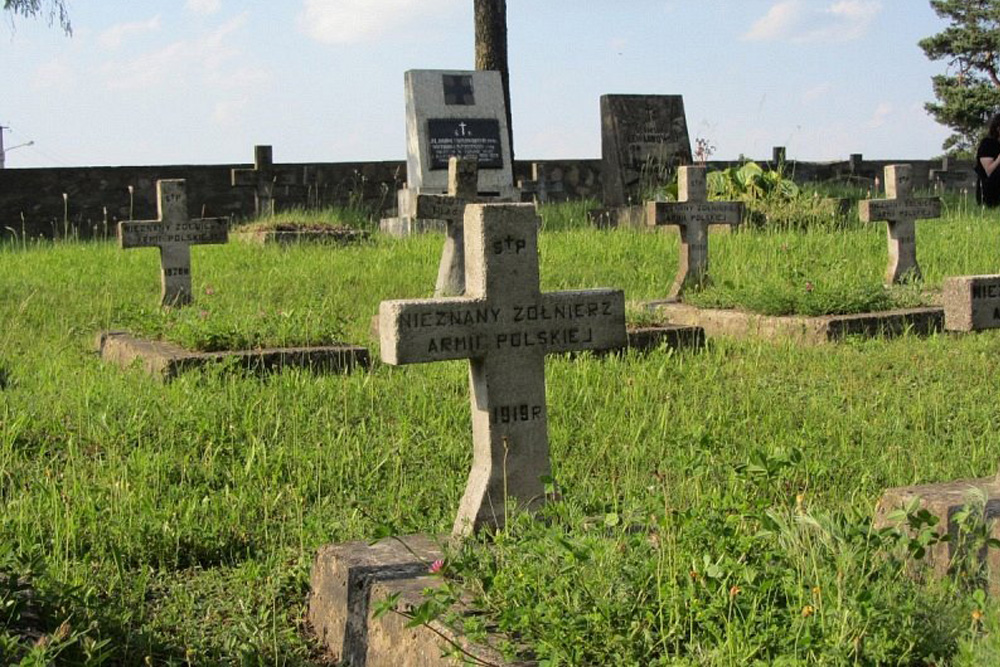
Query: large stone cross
[[901, 210], [174, 234], [463, 179], [262, 178], [692, 213], [504, 326]]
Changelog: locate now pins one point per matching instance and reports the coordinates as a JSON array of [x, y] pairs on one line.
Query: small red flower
[[809, 286], [436, 566]]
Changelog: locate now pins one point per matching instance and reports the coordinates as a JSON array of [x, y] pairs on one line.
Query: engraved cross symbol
[[458, 90], [462, 126], [901, 211], [504, 326], [692, 214], [174, 234]]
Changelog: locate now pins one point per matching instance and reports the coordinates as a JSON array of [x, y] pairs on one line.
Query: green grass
[[178, 521]]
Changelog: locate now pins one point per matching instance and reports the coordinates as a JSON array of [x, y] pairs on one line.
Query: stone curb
[[167, 360], [944, 501], [811, 330], [349, 580]]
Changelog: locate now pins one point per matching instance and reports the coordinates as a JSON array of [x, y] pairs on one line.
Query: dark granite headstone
[[643, 137]]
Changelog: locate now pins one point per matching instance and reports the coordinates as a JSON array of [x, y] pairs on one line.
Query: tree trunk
[[491, 51]]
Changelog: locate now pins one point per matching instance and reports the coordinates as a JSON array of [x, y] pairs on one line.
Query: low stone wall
[[32, 201]]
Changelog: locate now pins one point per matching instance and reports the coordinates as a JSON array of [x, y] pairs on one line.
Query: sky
[[147, 82]]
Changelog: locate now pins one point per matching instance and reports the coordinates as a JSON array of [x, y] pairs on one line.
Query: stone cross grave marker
[[463, 174], [901, 211], [504, 326], [263, 177], [539, 188], [174, 234], [692, 214]]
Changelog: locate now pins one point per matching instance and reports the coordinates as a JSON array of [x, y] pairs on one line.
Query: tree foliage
[[55, 9], [969, 93]]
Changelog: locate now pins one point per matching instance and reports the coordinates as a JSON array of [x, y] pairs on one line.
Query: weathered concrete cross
[[504, 326], [262, 178], [539, 188], [463, 179], [693, 213], [901, 210], [174, 234]]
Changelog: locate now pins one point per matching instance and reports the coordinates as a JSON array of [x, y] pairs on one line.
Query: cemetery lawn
[[716, 505]]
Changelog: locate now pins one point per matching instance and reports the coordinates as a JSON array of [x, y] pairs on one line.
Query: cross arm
[[574, 321], [439, 207], [679, 213], [870, 210], [144, 234], [417, 331]]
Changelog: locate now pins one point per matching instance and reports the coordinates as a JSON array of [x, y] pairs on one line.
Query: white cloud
[[203, 6], [816, 92], [780, 19], [881, 113], [800, 22], [353, 21], [212, 58], [230, 112], [55, 74], [113, 37]]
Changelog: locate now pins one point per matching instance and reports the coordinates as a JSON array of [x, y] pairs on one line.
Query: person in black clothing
[[988, 165]]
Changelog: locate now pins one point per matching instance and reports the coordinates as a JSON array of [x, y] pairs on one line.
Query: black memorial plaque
[[477, 138]]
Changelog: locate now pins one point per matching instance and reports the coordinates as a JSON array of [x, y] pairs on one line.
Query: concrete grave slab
[[900, 210], [291, 235], [692, 214], [944, 501], [173, 232], [505, 326], [348, 582], [741, 324], [643, 137], [971, 303], [166, 360]]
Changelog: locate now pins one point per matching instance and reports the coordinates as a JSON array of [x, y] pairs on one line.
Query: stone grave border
[[943, 500], [349, 580], [166, 360], [742, 324]]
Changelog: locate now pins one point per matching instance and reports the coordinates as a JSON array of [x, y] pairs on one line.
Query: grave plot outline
[[173, 232], [900, 211], [504, 326], [692, 214]]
